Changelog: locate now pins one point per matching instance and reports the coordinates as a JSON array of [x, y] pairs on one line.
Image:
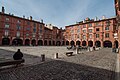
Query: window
[[97, 35], [78, 36], [107, 35], [84, 31], [90, 35], [28, 23], [18, 34], [28, 28], [90, 25], [108, 23], [40, 31], [18, 21], [18, 27], [34, 29], [34, 24], [78, 30], [107, 28], [40, 26], [90, 30], [7, 25], [84, 37], [72, 31], [7, 19], [97, 29], [6, 32], [84, 26], [33, 35], [97, 24], [27, 34]]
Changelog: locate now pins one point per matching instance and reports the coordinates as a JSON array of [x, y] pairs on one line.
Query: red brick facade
[[92, 33], [117, 7]]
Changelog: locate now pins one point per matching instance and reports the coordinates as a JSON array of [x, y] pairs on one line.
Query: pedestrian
[[18, 55]]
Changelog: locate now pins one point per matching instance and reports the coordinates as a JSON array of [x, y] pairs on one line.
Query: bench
[[12, 62], [69, 53]]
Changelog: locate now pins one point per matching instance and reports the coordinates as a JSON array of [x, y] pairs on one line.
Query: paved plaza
[[95, 65]]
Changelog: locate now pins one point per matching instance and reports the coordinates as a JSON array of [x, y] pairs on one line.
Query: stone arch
[[33, 42], [116, 44], [40, 42], [5, 41], [78, 43], [50, 43], [45, 42], [67, 42], [97, 43], [58, 43], [27, 42], [107, 43], [84, 43], [17, 42], [90, 43], [72, 43]]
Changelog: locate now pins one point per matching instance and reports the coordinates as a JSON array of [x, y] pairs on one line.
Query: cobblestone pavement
[[96, 65]]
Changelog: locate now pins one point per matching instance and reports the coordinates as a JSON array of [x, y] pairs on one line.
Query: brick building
[[90, 32], [117, 7], [19, 31]]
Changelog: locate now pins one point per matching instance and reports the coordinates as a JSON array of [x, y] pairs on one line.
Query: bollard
[[43, 57], [77, 50], [56, 55]]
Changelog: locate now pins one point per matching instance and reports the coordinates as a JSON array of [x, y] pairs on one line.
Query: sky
[[60, 12]]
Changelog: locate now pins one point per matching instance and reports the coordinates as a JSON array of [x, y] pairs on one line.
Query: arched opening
[[53, 43], [17, 42], [72, 43], [33, 42], [107, 44], [98, 44], [5, 41], [40, 43], [45, 42], [90, 43], [78, 43], [116, 44], [84, 43], [67, 42], [49, 43], [27, 42], [58, 43], [63, 43]]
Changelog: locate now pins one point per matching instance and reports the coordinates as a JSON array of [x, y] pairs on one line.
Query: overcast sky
[[60, 12]]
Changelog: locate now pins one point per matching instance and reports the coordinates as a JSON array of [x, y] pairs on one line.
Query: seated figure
[[18, 55]]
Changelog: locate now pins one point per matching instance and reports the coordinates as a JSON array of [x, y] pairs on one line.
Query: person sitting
[[18, 55]]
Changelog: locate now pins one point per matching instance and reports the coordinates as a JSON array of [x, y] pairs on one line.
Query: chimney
[[24, 16], [96, 18], [41, 20], [30, 17], [3, 10], [103, 17]]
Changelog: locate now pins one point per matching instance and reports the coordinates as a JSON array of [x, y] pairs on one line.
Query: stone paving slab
[[96, 65]]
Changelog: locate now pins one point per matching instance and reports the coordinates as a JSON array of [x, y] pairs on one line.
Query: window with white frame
[[7, 19], [18, 34], [84, 37], [107, 28], [90, 35], [6, 32], [84, 31], [7, 25]]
